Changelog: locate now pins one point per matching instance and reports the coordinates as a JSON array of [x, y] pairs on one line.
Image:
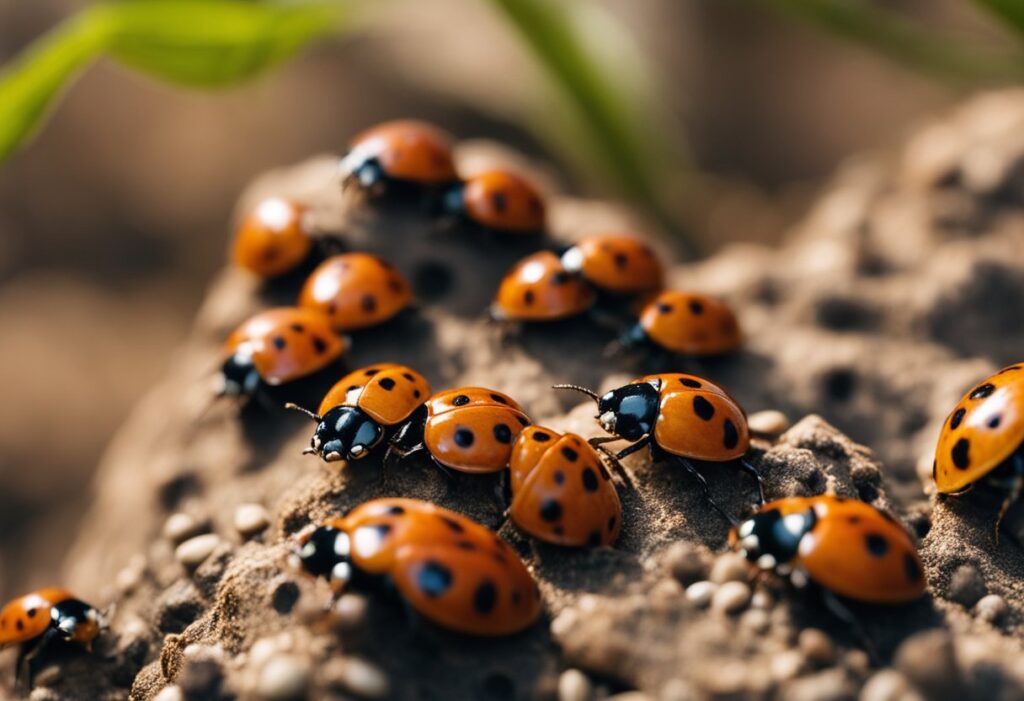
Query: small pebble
[[730, 567], [179, 527], [283, 678], [991, 608], [677, 690], [262, 650], [195, 550], [359, 677], [888, 685], [762, 600], [700, 593], [170, 693], [756, 620], [351, 610], [630, 696], [564, 622], [769, 422], [251, 519], [816, 646], [731, 597], [685, 563], [967, 586], [574, 685], [131, 576], [928, 660], [787, 665], [857, 661]]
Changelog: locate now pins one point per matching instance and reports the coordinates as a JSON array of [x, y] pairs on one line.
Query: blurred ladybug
[[450, 569], [685, 323], [277, 346], [272, 239], [356, 290], [615, 263], [359, 411], [849, 548], [561, 491], [499, 200], [402, 156], [679, 418], [44, 617], [981, 440], [539, 288]]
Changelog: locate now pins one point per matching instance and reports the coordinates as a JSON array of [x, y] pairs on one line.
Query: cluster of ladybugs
[[458, 573]]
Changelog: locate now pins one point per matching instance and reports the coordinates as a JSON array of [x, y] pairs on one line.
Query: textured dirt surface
[[898, 292]]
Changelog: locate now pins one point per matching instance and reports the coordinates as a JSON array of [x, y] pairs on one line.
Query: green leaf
[[1010, 11]]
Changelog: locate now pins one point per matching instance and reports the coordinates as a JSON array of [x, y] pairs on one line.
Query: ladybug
[[615, 263], [400, 154], [679, 418], [35, 620], [357, 413], [982, 438], [849, 548], [499, 200], [539, 288], [561, 491], [356, 290], [272, 239], [277, 346], [685, 323], [450, 569]]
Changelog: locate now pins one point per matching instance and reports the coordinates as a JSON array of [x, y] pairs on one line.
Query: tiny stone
[[888, 685], [966, 586], [730, 567], [564, 622], [179, 527], [129, 578], [262, 650], [857, 661], [731, 597], [351, 610], [756, 620], [685, 563], [700, 593], [47, 676], [44, 694], [677, 690], [170, 693], [769, 422], [787, 665], [195, 550], [630, 696], [928, 660], [251, 519], [991, 608], [574, 685], [283, 678], [817, 646], [359, 677], [762, 600]]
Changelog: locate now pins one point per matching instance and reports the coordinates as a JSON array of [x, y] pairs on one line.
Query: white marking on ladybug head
[[357, 451], [333, 456], [342, 572], [342, 545], [766, 562], [607, 421], [572, 260]]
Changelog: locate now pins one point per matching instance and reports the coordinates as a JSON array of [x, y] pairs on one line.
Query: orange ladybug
[[400, 154], [615, 263], [539, 288], [679, 418], [561, 491], [846, 546], [451, 570], [277, 346], [499, 200], [982, 438], [357, 413], [272, 240], [356, 290], [685, 323], [45, 615]]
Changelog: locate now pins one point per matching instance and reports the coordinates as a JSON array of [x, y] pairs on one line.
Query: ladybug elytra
[[272, 239], [686, 323], [499, 200], [356, 290], [400, 153]]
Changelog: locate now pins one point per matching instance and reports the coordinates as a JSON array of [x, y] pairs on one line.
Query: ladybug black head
[[770, 539], [76, 620], [326, 554], [345, 433], [629, 411], [238, 375]]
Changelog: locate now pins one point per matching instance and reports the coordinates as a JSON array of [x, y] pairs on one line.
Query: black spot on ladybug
[[528, 297], [853, 519], [523, 420], [559, 277], [396, 285], [368, 303], [956, 418], [995, 421], [465, 545], [911, 567], [31, 613], [453, 524], [460, 400], [463, 437], [517, 598], [589, 480], [500, 202], [395, 510], [594, 539], [541, 437], [696, 307], [983, 391], [960, 455], [664, 308], [876, 544], [319, 345], [371, 372], [332, 308], [434, 579], [604, 471], [408, 376], [550, 510], [687, 382], [502, 433], [570, 454], [620, 260], [498, 398], [416, 393], [703, 408], [558, 530], [500, 557], [298, 328], [559, 477], [387, 383], [20, 624], [611, 524], [279, 342], [485, 597], [731, 437]]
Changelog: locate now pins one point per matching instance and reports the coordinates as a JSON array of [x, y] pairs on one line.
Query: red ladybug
[[45, 615], [539, 288], [277, 346], [450, 569], [846, 546], [356, 290], [561, 491], [685, 323], [679, 418], [272, 239], [616, 263], [400, 154], [499, 200]]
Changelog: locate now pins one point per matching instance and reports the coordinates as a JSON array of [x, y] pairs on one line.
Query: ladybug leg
[[617, 467], [841, 611], [689, 467], [1016, 487], [630, 449], [747, 467], [598, 441]]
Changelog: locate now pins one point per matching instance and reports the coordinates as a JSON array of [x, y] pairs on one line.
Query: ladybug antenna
[[582, 390], [307, 412]]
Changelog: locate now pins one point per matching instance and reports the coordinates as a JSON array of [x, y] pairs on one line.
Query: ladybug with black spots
[[562, 492], [44, 617], [399, 159], [679, 418], [539, 288], [355, 291], [686, 324], [499, 201], [450, 569], [360, 411], [617, 264], [275, 347], [982, 440], [272, 239]]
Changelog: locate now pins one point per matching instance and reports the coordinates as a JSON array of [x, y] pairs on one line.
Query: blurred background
[[114, 218]]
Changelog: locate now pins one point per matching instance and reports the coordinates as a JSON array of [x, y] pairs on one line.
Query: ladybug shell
[[356, 290], [985, 428], [500, 200], [452, 570], [855, 550], [616, 263], [406, 150], [387, 392], [690, 324], [271, 239], [471, 429], [698, 419], [539, 288], [286, 343], [561, 491], [28, 617]]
